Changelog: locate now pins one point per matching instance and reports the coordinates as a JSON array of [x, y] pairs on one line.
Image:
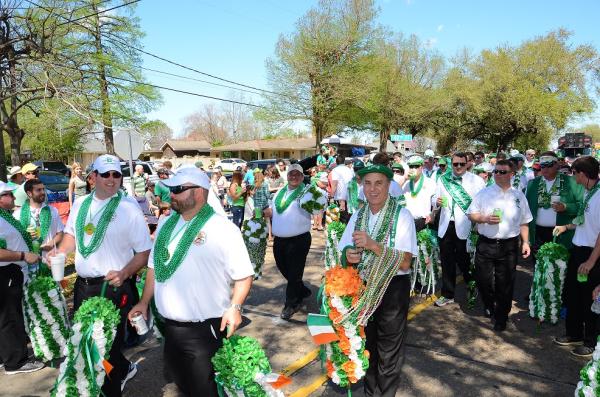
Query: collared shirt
[[406, 236], [343, 175], [200, 288], [126, 234], [14, 242], [56, 225], [419, 205], [514, 207], [294, 221], [472, 184], [395, 189], [163, 192], [586, 234], [546, 217]]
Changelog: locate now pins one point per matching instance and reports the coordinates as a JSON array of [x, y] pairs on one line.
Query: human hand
[[585, 267], [31, 258], [596, 292], [492, 219], [116, 278], [559, 207], [558, 230], [525, 249], [140, 307], [362, 240], [232, 318]]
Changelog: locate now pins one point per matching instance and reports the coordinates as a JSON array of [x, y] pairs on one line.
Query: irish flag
[[320, 329]]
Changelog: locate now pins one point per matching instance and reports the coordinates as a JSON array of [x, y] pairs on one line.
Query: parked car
[[57, 186], [262, 164], [152, 175], [230, 165], [52, 165]]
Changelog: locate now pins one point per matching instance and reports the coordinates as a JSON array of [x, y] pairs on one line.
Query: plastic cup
[[582, 278], [140, 324], [444, 201], [57, 265], [498, 212], [257, 213]]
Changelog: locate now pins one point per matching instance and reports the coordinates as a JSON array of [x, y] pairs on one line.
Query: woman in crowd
[[236, 194], [77, 185]]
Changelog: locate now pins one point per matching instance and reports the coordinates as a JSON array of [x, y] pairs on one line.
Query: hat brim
[[380, 169], [178, 180]]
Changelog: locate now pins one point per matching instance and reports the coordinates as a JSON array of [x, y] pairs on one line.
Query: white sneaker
[[130, 374], [30, 366], [443, 301]]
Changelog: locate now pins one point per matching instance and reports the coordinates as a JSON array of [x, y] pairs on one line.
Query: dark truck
[[575, 144]]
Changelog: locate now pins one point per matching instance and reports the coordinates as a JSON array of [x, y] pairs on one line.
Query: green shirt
[[162, 192]]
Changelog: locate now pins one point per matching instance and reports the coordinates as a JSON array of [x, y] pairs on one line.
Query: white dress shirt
[[420, 205], [515, 211], [395, 189], [406, 236], [472, 184], [294, 221], [126, 234], [201, 287], [342, 174], [14, 242], [586, 234], [56, 225]]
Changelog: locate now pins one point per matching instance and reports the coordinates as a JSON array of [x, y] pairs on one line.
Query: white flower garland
[[254, 232], [545, 298], [425, 266], [589, 385], [313, 200]]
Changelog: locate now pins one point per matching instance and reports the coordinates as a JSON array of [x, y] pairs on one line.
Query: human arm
[[233, 191], [586, 266], [526, 248], [117, 277], [232, 316], [18, 256], [147, 294], [70, 193]]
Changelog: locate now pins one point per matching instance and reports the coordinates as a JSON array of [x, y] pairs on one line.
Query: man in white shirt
[[15, 254], [502, 215], [109, 235], [583, 269], [418, 191], [291, 227], [385, 320], [454, 193], [341, 176], [520, 178], [196, 257]]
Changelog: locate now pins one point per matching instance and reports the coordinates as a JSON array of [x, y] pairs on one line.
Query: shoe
[[567, 341], [288, 312], [307, 293], [583, 351], [30, 366], [130, 374], [443, 301], [498, 326], [488, 313]]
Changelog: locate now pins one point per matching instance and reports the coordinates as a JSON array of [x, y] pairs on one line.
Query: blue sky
[[233, 38]]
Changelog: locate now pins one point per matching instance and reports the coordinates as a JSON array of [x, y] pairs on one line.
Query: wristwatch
[[237, 307]]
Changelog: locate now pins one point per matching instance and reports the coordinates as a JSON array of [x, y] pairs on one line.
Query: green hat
[[492, 156], [478, 169], [381, 169], [199, 164], [397, 166], [323, 147], [442, 161], [358, 165], [415, 160], [254, 171]]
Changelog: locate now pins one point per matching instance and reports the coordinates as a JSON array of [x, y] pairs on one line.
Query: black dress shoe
[[288, 312], [499, 326], [488, 313]]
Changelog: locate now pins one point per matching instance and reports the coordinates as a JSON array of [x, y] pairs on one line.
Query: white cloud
[[440, 28], [431, 42]]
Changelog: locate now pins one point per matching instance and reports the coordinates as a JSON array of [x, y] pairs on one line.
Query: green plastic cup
[[498, 212], [582, 278], [257, 213], [444, 201]]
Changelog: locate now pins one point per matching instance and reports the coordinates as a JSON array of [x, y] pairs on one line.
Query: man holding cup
[[197, 255], [109, 235], [454, 193], [15, 256], [418, 191], [502, 216]]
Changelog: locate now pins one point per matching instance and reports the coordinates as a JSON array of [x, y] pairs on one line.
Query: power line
[[96, 13]]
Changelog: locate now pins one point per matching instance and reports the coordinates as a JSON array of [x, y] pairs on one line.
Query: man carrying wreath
[[380, 239], [109, 235], [196, 256]]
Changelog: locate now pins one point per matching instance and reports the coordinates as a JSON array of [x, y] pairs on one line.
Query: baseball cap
[[105, 163], [29, 167], [295, 167], [415, 160], [442, 161], [397, 166], [517, 156], [14, 171], [5, 187], [358, 164], [188, 174]]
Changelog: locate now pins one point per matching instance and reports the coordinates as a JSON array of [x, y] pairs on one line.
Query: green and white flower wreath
[[45, 312], [472, 250], [425, 266], [313, 200], [589, 385], [254, 232]]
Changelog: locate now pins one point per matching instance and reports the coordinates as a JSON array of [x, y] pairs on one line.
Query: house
[[180, 147], [258, 149]]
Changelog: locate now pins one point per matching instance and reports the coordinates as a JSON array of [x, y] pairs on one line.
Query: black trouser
[[290, 256], [13, 339], [123, 298], [419, 224], [385, 334], [543, 235], [581, 321], [453, 252], [495, 271], [189, 348]]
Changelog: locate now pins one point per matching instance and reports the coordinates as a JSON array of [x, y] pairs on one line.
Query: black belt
[[190, 324], [497, 240], [292, 237], [91, 280]]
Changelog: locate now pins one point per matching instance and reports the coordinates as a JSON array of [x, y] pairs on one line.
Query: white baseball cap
[[105, 163], [5, 187], [295, 167], [14, 171], [188, 174]]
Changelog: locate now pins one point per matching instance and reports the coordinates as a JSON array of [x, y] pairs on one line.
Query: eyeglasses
[[547, 165], [413, 166], [398, 172], [501, 172], [457, 165], [181, 189], [114, 174]]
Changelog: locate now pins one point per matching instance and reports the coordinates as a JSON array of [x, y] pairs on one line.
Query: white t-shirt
[[126, 234], [420, 205], [514, 206], [343, 175], [213, 201], [201, 287], [406, 236], [294, 221], [546, 216], [395, 189], [249, 208], [56, 225], [14, 242], [586, 234]]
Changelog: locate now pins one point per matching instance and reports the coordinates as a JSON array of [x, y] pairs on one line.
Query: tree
[[155, 133], [590, 129], [206, 124]]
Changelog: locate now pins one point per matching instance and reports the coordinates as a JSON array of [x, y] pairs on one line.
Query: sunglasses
[[32, 172], [413, 166], [181, 189], [547, 165], [501, 172], [114, 174], [398, 172], [459, 164]]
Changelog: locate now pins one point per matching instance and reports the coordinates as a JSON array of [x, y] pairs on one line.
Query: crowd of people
[[199, 271]]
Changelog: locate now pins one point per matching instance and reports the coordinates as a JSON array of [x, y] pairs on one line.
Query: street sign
[[122, 144], [401, 137]]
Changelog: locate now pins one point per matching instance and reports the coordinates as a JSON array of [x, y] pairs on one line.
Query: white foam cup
[[57, 265]]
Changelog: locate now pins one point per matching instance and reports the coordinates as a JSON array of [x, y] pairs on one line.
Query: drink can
[[140, 324]]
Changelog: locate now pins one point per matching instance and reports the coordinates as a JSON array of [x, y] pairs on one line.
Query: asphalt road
[[450, 351]]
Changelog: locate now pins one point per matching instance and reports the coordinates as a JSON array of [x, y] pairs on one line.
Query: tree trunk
[[2, 158], [15, 135], [384, 135], [104, 98]]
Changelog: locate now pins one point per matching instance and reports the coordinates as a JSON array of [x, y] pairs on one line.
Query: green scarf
[[8, 217], [457, 192], [411, 184], [580, 219], [45, 219], [353, 201], [281, 205]]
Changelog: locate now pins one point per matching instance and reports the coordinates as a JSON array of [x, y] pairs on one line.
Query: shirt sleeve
[[236, 255], [475, 207], [526, 215], [70, 226], [406, 235], [346, 239], [57, 225], [140, 235]]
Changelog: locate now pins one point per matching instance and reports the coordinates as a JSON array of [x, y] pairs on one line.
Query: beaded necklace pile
[[97, 231], [45, 219], [8, 217]]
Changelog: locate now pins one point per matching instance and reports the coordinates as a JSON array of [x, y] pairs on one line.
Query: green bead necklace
[[282, 206], [99, 230], [8, 217], [166, 265], [45, 219], [411, 184]]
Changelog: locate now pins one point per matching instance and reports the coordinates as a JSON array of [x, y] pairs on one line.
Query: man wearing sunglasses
[[29, 171], [554, 199], [442, 168], [502, 216], [196, 257], [109, 235], [520, 178], [453, 196], [15, 256], [418, 191]]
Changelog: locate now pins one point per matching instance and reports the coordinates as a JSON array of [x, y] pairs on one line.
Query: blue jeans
[[238, 215]]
